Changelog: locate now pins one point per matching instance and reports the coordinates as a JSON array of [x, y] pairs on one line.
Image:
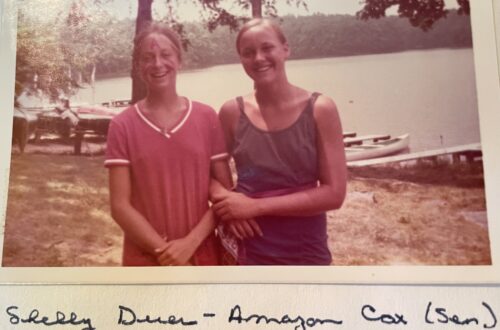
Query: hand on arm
[[328, 195], [222, 181]]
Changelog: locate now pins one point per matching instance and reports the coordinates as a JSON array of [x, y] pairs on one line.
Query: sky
[[189, 12], [48, 9]]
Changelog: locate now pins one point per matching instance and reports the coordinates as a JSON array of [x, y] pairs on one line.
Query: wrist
[[194, 240], [257, 207]]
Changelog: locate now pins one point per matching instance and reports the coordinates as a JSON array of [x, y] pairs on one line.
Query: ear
[[286, 47]]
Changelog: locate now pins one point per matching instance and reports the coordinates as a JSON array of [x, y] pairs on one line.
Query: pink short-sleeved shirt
[[170, 174]]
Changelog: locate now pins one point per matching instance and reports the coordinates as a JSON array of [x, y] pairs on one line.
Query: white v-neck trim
[[169, 133], [178, 126]]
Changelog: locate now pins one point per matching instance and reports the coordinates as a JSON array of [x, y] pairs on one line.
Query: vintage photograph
[[244, 133]]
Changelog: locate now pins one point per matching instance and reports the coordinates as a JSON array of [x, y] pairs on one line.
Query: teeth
[[158, 75], [262, 68]]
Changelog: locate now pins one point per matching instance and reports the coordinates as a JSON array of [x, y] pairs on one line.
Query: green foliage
[[56, 53], [421, 13], [309, 36], [40, 59]]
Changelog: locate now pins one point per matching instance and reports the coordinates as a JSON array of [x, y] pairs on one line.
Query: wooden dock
[[469, 151]]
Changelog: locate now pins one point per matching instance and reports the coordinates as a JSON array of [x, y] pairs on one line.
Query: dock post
[[78, 142]]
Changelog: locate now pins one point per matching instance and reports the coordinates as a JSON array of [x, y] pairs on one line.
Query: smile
[[159, 74], [263, 68]]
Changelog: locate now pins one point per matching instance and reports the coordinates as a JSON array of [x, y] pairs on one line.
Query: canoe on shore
[[373, 148]]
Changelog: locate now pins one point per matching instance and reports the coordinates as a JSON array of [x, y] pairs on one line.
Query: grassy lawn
[[58, 213], [434, 214]]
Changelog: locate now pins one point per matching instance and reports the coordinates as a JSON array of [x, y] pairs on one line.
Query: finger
[[161, 249], [234, 230], [218, 212], [241, 230], [255, 226], [216, 198], [219, 209], [165, 260], [248, 230], [226, 216], [216, 207]]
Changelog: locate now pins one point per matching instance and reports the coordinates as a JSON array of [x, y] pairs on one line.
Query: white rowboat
[[377, 148]]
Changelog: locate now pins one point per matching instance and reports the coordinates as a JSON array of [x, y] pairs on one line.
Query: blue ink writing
[[301, 322], [60, 318], [129, 317], [369, 313]]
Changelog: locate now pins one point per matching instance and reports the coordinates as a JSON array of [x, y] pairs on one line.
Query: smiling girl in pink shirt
[[161, 154]]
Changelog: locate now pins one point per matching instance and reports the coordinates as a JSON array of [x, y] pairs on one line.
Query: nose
[[259, 56], [157, 60]]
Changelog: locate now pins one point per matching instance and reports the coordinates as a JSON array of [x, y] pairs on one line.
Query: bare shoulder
[[325, 109], [229, 109], [229, 113]]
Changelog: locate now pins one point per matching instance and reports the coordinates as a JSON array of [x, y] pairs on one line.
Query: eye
[[146, 58], [267, 48], [166, 54], [246, 53]]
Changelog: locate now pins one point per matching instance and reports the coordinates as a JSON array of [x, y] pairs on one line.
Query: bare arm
[[220, 186], [179, 251], [129, 219], [328, 195]]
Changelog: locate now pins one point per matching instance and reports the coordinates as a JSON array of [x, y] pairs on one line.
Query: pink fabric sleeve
[[116, 146]]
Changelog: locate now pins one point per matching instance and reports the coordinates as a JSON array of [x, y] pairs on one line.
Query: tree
[[421, 13], [59, 50], [218, 16], [40, 63], [56, 54]]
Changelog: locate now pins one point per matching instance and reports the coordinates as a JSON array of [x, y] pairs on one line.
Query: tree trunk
[[256, 8], [144, 16]]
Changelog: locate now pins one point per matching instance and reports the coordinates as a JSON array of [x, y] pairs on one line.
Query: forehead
[[259, 33], [156, 41]]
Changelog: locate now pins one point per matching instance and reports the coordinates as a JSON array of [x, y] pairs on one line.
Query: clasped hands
[[176, 252], [237, 211]]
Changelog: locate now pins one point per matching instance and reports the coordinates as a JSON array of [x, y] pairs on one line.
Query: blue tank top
[[272, 163]]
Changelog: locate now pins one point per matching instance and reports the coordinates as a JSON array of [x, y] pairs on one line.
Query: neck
[[273, 93], [167, 100]]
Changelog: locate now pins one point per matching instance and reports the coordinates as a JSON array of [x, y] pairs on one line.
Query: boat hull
[[378, 149]]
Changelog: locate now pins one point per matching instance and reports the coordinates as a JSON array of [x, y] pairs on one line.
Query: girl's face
[[263, 54], [158, 62]]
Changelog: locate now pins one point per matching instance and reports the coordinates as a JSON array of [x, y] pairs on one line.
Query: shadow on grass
[[58, 213]]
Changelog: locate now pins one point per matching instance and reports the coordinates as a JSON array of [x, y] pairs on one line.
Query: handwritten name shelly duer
[[433, 315]]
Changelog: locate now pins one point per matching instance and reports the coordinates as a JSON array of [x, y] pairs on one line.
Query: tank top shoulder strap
[[312, 100], [241, 104]]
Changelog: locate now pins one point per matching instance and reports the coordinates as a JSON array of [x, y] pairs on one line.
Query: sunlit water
[[429, 94]]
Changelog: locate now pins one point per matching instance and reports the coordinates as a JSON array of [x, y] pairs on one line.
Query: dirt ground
[[425, 214]]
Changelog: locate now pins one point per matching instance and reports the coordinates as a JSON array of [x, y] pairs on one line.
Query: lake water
[[430, 94]]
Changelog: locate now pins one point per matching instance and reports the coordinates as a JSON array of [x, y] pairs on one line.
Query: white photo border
[[488, 91]]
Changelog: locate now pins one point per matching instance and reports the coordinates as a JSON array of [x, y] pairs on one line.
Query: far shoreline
[[104, 77]]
